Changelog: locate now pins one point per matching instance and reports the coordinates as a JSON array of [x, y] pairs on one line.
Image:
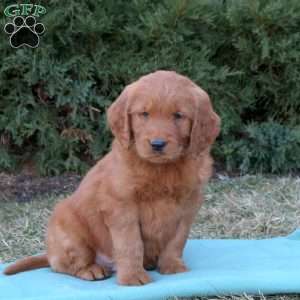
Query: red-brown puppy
[[134, 208]]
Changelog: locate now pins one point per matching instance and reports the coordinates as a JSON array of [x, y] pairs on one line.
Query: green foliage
[[244, 53], [265, 147]]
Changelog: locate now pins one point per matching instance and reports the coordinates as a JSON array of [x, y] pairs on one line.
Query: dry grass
[[249, 207], [246, 207]]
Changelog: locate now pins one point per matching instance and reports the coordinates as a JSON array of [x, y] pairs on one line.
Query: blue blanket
[[217, 267]]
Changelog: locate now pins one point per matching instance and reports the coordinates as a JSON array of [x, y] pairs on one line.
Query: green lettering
[[12, 10], [39, 10], [26, 9]]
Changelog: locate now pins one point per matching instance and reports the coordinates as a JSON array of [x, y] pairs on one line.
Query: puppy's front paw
[[133, 277], [172, 266]]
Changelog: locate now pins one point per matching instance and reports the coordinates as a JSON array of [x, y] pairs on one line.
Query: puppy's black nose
[[158, 144]]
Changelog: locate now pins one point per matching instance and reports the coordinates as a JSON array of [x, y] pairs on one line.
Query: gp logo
[[24, 30]]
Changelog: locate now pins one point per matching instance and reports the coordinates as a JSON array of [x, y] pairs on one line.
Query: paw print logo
[[24, 32]]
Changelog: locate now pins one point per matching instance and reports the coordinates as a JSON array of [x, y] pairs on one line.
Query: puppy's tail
[[28, 263]]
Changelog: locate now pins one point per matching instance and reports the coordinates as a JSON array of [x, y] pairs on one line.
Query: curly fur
[[134, 208]]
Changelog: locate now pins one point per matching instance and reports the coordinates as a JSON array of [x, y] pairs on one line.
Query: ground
[[240, 207]]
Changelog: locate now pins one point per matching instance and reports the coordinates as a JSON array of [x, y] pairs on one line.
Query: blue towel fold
[[217, 267]]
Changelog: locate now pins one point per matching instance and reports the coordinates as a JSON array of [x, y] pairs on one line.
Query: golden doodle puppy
[[134, 208]]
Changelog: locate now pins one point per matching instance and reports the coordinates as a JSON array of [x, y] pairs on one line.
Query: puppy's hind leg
[[73, 256], [69, 248], [93, 272]]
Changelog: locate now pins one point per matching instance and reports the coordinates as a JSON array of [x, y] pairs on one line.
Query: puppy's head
[[164, 116]]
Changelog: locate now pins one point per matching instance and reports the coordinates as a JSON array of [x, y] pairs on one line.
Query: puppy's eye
[[178, 115], [144, 114]]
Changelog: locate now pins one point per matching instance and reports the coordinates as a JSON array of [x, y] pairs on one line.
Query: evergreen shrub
[[244, 53]]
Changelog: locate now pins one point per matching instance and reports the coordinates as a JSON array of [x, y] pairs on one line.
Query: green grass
[[245, 207]]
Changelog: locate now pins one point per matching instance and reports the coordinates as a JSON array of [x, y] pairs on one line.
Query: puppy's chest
[[161, 205], [159, 218], [156, 191]]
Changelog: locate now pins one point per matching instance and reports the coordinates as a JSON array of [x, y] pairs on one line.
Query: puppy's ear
[[206, 125], [118, 118]]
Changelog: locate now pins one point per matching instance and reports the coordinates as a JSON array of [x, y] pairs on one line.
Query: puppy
[[134, 208]]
